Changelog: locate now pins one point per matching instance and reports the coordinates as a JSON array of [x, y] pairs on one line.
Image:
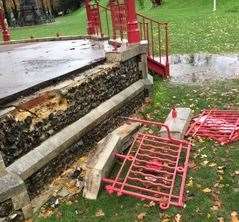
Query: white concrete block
[[179, 125]]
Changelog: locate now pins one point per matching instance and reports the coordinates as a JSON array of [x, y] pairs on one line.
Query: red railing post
[[167, 51], [90, 28], [3, 27], [132, 23]]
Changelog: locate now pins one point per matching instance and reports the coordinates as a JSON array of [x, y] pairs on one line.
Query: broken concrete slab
[[102, 161], [101, 165], [179, 125]]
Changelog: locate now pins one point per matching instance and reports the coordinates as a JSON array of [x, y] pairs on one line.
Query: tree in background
[[156, 2], [4, 6], [66, 5], [141, 3]]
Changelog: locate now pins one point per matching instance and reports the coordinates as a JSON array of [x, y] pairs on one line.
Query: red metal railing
[[219, 125], [154, 169], [156, 33], [3, 27], [113, 23]]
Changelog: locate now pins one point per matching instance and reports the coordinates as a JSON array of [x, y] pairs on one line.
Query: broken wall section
[[36, 120], [41, 137]]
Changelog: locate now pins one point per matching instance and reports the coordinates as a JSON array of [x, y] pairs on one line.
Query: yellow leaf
[[190, 182], [178, 218], [207, 190], [141, 216], [234, 217], [100, 213]]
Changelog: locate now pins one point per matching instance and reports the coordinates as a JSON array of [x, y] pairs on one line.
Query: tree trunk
[[4, 4], [53, 11], [15, 12]]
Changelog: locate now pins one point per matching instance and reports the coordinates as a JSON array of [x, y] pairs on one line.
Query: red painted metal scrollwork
[[154, 169], [119, 18], [93, 18]]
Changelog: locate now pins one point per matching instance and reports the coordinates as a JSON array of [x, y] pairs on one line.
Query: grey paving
[[27, 65]]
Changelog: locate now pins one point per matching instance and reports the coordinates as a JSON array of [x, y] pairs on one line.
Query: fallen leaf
[[212, 164], [190, 182], [152, 204], [178, 218], [207, 190], [205, 162], [220, 219], [215, 208], [99, 213], [234, 216], [141, 216]]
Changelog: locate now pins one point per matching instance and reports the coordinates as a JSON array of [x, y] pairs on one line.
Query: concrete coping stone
[[123, 132], [101, 162], [179, 125], [129, 52], [52, 147]]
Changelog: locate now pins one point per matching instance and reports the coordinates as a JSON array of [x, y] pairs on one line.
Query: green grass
[[193, 25], [193, 28], [199, 204]]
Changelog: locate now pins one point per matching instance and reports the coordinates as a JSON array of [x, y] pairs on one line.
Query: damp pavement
[[24, 66], [201, 68]]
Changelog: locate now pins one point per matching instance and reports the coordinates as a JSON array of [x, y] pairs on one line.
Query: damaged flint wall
[[36, 182], [18, 137]]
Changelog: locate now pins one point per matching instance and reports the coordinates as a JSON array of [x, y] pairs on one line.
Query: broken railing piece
[[219, 125], [154, 169]]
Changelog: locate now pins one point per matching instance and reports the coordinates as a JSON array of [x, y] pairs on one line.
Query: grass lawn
[[213, 168], [193, 28], [193, 25]]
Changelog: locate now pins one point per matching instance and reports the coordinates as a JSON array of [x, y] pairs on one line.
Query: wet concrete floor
[[25, 66], [201, 68]]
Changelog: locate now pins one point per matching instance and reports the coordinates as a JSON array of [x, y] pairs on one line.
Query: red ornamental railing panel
[[93, 19], [122, 22], [119, 18], [219, 125], [154, 169]]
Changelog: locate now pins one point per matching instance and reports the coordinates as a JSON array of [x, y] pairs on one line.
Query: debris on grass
[[234, 217], [141, 216], [178, 218], [99, 213], [207, 190]]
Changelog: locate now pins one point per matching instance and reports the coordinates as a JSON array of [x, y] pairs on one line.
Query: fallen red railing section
[[219, 125], [154, 169]]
